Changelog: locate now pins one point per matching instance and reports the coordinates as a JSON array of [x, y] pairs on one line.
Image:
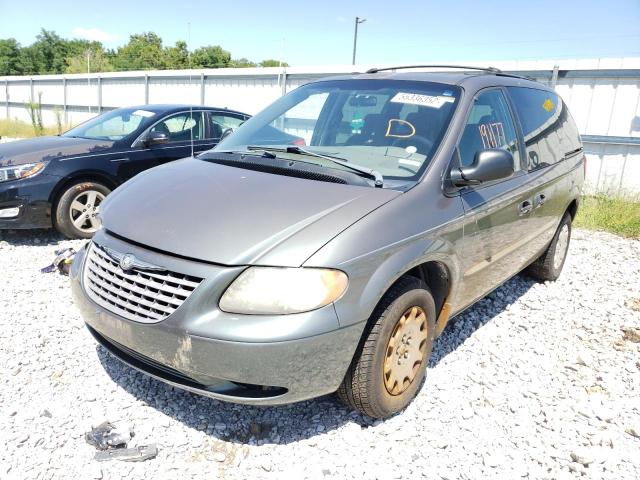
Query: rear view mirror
[[363, 101], [488, 165], [156, 138]]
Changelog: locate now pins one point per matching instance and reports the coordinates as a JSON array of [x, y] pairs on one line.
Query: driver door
[[497, 224], [182, 129]]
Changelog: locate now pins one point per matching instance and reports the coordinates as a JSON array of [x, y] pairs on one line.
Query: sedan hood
[[234, 216], [48, 148]]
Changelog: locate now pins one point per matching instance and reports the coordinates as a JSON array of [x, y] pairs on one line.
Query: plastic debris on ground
[[111, 443], [62, 262]]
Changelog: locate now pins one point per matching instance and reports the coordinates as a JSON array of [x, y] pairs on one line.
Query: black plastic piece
[[488, 165]]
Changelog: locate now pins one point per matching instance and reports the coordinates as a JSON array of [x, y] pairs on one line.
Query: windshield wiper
[[377, 177]]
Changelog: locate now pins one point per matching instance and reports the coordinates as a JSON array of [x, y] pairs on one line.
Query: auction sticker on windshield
[[432, 101]]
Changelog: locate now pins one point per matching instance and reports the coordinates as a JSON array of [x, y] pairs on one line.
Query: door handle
[[539, 200], [525, 207]]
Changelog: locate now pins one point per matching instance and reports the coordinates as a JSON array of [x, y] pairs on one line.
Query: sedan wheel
[[83, 210], [76, 213]]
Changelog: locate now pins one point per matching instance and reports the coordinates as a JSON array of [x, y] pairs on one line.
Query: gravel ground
[[536, 381]]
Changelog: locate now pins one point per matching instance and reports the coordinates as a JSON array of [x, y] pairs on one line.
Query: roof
[[170, 107], [472, 78]]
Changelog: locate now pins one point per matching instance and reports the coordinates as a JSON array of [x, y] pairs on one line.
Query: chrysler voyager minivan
[[325, 244]]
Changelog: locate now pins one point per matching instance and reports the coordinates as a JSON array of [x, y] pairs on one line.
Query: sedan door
[[185, 132], [497, 215]]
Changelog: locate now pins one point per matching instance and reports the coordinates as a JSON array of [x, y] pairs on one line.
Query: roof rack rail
[[462, 67]]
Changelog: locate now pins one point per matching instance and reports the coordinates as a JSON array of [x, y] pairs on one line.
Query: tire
[[366, 385], [549, 265], [69, 209]]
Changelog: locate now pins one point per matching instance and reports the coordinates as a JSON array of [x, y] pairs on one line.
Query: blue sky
[[321, 32]]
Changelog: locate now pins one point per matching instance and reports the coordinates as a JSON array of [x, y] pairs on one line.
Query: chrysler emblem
[[127, 261]]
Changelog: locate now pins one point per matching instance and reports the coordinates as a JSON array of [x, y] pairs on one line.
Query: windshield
[[391, 126], [113, 125]]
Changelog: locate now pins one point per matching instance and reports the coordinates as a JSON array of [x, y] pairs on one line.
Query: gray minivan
[[325, 244]]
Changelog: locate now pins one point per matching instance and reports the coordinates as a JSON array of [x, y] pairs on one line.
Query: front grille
[[138, 293]]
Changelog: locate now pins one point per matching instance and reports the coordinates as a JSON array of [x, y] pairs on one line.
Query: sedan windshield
[[392, 127], [113, 125]]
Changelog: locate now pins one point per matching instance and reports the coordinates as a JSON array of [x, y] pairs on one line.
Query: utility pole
[[355, 37]]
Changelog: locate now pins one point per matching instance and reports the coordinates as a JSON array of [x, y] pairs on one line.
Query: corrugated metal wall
[[603, 96]]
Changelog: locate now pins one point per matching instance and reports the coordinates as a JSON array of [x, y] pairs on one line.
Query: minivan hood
[[234, 216], [38, 149]]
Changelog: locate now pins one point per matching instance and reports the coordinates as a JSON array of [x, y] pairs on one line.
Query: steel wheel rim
[[405, 350], [561, 246], [84, 209]]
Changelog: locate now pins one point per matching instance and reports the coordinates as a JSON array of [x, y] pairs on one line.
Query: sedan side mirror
[[488, 165], [156, 138]]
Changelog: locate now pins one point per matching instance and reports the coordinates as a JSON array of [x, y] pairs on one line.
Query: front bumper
[[31, 196], [241, 358]]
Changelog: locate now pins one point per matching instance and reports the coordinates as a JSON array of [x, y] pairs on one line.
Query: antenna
[[190, 81]]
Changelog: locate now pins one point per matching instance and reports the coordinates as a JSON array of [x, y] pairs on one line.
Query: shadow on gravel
[[33, 237], [482, 312], [243, 424]]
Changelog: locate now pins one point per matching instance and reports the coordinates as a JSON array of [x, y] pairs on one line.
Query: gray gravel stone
[[515, 385]]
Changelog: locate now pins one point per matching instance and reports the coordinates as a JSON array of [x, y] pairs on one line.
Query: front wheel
[[389, 367], [76, 211], [549, 265]]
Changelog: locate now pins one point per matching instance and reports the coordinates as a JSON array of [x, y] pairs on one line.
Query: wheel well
[[88, 177], [573, 209], [436, 276]]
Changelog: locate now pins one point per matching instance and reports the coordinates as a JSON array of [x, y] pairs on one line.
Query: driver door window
[[181, 127], [489, 125]]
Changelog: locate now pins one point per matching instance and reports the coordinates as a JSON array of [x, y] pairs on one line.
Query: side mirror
[[156, 138], [488, 165], [226, 133]]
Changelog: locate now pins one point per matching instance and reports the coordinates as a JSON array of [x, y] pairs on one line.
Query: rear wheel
[[78, 207], [389, 367], [549, 265]]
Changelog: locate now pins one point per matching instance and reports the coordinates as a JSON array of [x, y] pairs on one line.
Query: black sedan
[[60, 181]]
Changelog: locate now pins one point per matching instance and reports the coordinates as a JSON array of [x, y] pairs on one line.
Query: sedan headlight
[[271, 290], [21, 171]]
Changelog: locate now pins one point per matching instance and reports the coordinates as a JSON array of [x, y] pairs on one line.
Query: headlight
[[21, 171], [270, 290]]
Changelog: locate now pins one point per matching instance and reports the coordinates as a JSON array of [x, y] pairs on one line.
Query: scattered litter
[[106, 436], [62, 262], [135, 454], [111, 443]]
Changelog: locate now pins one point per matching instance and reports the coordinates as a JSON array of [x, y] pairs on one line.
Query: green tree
[[97, 61], [177, 57], [273, 63], [49, 52], [212, 56], [10, 59], [143, 52], [242, 63]]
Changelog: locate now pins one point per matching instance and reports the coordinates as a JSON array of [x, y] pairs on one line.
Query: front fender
[[375, 253]]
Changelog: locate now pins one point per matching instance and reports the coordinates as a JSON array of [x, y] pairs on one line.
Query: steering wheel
[[422, 144]]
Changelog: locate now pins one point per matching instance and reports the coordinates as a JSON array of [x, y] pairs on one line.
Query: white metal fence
[[603, 96]]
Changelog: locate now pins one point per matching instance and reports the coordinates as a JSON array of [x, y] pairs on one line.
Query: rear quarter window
[[548, 129]]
